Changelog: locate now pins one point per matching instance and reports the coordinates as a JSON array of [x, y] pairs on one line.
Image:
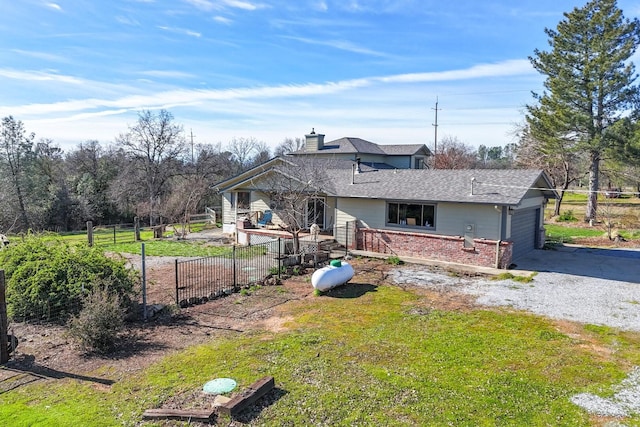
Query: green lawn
[[379, 358]]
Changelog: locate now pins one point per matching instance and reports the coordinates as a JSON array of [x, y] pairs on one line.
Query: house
[[358, 193]]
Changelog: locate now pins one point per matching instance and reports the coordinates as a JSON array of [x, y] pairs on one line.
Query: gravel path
[[594, 300]]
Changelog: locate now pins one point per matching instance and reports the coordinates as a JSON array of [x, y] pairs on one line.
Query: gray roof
[[404, 150], [491, 186]]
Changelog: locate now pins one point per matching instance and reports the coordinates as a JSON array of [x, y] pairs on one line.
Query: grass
[[382, 358], [567, 234]]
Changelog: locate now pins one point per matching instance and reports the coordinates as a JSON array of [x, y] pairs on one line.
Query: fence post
[[279, 256], [136, 228], [90, 232], [346, 238], [233, 260], [4, 333], [144, 285], [177, 300]]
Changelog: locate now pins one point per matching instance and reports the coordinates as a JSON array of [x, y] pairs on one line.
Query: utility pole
[[192, 157], [435, 138]]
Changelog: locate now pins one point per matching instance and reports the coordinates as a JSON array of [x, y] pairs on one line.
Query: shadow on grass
[[252, 412], [26, 371], [351, 290]]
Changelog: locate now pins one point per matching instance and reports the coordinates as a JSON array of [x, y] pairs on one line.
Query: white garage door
[[524, 227]]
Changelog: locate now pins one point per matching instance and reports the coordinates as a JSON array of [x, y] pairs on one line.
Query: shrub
[[98, 325], [48, 278], [394, 260], [567, 216]]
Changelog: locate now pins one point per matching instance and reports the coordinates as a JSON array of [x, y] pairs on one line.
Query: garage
[[524, 230]]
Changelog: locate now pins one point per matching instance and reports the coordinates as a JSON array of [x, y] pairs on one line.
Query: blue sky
[[75, 70]]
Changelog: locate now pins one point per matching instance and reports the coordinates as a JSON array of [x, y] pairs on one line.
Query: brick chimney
[[314, 141]]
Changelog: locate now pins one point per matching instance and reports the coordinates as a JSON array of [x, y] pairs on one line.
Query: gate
[[202, 279]]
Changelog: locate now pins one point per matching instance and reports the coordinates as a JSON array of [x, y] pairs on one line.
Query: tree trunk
[[557, 203], [594, 171]]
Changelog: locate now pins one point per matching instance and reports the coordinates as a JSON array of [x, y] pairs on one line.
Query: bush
[[394, 260], [47, 279], [98, 326], [567, 216]]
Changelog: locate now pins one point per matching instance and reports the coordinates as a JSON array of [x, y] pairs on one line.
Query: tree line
[[583, 127]]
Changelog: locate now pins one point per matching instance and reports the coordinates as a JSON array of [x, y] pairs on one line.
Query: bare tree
[[555, 155], [155, 144], [243, 151], [289, 145], [454, 154], [291, 185]]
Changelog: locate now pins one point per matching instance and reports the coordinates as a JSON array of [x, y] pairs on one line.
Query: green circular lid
[[336, 263], [219, 386]]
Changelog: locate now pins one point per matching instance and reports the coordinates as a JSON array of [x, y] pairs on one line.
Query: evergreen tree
[[590, 83]]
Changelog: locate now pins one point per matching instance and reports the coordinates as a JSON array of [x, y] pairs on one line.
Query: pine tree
[[590, 83]]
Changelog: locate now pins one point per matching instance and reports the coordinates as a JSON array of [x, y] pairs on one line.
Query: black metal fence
[[207, 278]]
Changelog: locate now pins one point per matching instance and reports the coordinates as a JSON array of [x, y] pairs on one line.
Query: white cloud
[[182, 97], [242, 4], [339, 44], [40, 76], [184, 31], [40, 55], [53, 6], [167, 74], [222, 20], [205, 5]]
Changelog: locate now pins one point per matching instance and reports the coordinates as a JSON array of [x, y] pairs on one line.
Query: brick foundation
[[433, 246]]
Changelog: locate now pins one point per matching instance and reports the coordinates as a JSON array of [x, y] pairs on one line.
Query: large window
[[411, 214]]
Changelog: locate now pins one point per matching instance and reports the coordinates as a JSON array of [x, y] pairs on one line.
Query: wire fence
[[202, 279]]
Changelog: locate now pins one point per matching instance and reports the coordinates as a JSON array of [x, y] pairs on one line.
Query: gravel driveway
[[584, 285], [579, 284]]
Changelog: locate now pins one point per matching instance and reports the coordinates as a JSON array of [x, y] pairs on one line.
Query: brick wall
[[433, 246]]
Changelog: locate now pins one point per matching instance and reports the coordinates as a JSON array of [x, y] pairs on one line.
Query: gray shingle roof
[[491, 186], [404, 150]]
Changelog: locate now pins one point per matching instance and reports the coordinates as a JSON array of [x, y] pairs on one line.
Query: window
[[411, 214], [242, 198], [418, 163]]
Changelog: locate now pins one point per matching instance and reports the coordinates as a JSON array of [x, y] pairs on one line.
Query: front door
[[315, 212]]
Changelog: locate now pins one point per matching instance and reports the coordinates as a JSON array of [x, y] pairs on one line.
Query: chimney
[[314, 141]]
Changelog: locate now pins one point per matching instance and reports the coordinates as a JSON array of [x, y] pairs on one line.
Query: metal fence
[[112, 234], [207, 278]]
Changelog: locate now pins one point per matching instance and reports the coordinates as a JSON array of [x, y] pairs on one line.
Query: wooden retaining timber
[[178, 414], [247, 397], [235, 405]]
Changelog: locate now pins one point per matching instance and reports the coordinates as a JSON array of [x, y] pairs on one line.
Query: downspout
[[498, 253]]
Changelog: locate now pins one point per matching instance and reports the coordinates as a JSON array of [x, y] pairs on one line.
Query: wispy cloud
[[36, 76], [183, 31], [340, 45], [245, 5], [205, 5], [209, 5], [125, 20], [54, 6], [167, 74], [184, 97], [223, 20], [40, 55]]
